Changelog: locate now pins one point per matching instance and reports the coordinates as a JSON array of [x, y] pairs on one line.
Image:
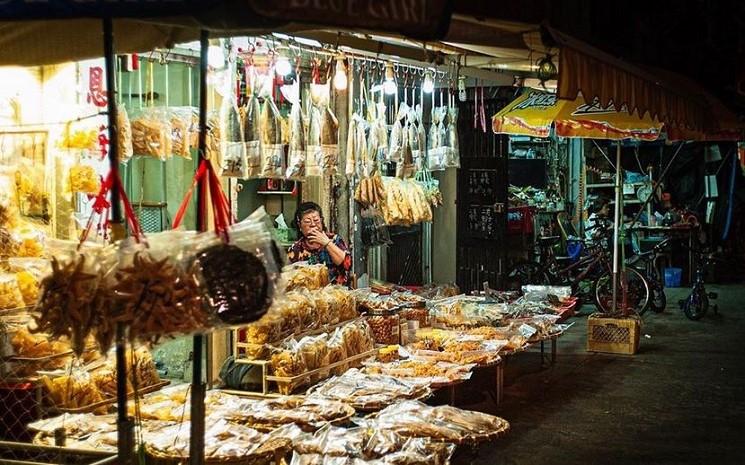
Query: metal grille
[[153, 216]]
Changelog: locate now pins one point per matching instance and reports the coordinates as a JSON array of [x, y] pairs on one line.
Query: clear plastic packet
[[289, 363], [84, 179], [313, 165], [233, 161], [215, 147], [337, 352], [238, 278], [70, 300], [151, 133], [10, 292], [182, 127], [301, 275], [297, 152], [436, 149], [72, 391], [329, 152], [252, 137], [124, 134], [452, 154], [31, 194], [271, 140], [29, 272]]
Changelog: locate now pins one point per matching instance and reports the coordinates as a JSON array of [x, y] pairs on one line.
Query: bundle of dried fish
[[271, 140], [233, 161], [329, 153], [315, 121], [297, 153], [252, 136], [452, 154]]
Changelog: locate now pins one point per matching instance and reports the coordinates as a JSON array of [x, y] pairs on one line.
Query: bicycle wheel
[[526, 273], [696, 305], [637, 291], [657, 298]]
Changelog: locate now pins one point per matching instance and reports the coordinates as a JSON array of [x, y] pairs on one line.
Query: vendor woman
[[318, 245]]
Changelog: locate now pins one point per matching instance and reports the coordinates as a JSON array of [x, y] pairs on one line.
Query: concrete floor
[[679, 400]]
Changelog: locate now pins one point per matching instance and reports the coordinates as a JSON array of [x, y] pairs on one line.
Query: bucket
[[673, 277]]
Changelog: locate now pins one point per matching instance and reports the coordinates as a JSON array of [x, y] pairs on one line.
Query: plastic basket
[[673, 277]]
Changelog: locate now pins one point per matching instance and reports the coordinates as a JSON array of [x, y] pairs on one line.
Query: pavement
[[679, 400]]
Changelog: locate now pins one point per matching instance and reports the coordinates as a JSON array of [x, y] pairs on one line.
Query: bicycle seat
[[549, 240]]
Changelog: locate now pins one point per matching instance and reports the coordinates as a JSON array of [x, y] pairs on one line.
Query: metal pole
[[198, 387], [616, 222], [125, 444]]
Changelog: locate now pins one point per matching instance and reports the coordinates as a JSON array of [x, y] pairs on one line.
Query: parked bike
[[696, 305], [646, 263], [589, 276]]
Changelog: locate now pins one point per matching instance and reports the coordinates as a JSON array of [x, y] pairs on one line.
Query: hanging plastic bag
[[233, 163], [151, 134], [252, 136], [297, 152], [271, 139], [124, 134], [182, 120], [452, 154], [436, 149], [398, 135], [329, 160], [84, 179], [313, 147]]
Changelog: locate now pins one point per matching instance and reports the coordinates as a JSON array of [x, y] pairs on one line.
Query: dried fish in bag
[[125, 134], [298, 152], [313, 147], [436, 151], [398, 136], [351, 149], [416, 137], [377, 144], [233, 161], [405, 165], [329, 143], [271, 139], [151, 132], [252, 136], [452, 155]]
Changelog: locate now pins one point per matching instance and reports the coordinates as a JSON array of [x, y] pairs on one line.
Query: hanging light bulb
[[283, 66], [340, 76], [389, 86], [429, 82]]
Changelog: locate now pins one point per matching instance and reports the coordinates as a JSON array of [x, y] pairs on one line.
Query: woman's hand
[[318, 239]]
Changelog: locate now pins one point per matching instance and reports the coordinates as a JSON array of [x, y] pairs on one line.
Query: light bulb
[[390, 87], [283, 66], [429, 83], [340, 76], [215, 57]]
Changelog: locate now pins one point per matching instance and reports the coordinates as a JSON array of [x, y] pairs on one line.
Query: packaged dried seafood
[[233, 161], [73, 391], [444, 423], [288, 363], [437, 373], [124, 134], [369, 392], [10, 292], [84, 179], [385, 327], [271, 141], [313, 165], [182, 128], [252, 136], [452, 151], [436, 150], [151, 134], [297, 152], [329, 151], [305, 276], [237, 279], [309, 414]]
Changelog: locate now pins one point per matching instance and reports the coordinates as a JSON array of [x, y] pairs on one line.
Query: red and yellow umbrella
[[533, 113]]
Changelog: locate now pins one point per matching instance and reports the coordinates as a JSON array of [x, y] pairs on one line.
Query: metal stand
[[198, 387], [616, 226]]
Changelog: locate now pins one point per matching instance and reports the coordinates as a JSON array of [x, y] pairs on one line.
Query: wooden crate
[[612, 335]]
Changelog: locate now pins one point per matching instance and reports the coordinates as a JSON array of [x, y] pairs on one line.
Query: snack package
[[124, 134], [313, 146], [73, 391], [237, 279], [252, 136], [10, 293], [301, 275], [297, 152], [452, 152], [182, 127], [29, 272], [271, 140], [84, 179], [233, 161], [151, 134]]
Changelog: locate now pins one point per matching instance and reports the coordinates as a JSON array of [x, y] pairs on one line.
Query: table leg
[[554, 342], [452, 396], [500, 383]]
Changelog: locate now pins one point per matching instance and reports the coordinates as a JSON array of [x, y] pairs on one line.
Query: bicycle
[[592, 269], [646, 262], [696, 305]]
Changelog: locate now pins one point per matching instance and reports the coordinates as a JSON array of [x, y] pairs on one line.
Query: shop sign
[[50, 9], [415, 18], [537, 99], [96, 92]]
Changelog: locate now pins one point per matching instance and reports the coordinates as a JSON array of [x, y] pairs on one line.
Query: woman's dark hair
[[598, 204], [304, 208]]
